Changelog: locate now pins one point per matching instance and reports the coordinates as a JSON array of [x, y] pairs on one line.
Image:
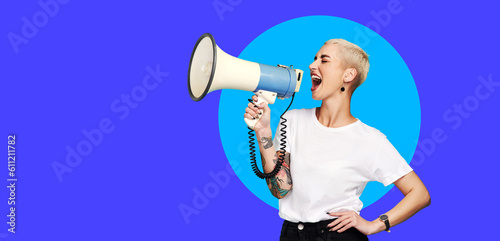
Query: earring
[[342, 88]]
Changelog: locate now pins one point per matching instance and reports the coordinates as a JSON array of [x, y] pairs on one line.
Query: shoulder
[[297, 118], [297, 113], [370, 132]]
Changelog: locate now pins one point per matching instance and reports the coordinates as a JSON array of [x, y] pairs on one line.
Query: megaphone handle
[[252, 122], [262, 96]]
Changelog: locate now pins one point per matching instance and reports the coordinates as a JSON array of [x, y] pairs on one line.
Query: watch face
[[383, 217]]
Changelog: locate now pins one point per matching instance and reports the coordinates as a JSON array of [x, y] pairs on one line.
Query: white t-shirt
[[330, 167]]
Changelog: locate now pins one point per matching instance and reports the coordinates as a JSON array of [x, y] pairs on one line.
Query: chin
[[315, 96]]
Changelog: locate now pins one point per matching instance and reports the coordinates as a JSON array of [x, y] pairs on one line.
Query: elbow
[[277, 195], [421, 198], [426, 200], [281, 193], [280, 196]]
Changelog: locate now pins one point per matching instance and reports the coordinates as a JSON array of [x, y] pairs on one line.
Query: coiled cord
[[281, 158]]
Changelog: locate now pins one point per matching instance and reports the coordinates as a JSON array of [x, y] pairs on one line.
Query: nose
[[313, 66]]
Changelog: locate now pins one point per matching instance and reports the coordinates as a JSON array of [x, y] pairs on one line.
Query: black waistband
[[320, 224], [320, 231]]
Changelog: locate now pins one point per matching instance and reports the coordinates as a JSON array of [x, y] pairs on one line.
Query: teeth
[[316, 77]]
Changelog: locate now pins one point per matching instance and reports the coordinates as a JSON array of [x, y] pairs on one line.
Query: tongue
[[315, 85]]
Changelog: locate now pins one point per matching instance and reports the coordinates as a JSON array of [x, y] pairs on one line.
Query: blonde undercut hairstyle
[[352, 56]]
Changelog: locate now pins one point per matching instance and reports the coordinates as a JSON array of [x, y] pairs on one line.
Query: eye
[[323, 61]]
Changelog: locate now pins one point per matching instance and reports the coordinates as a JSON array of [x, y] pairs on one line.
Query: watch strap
[[387, 225], [384, 218]]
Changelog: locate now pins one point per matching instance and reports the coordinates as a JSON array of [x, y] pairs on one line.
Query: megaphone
[[212, 69]]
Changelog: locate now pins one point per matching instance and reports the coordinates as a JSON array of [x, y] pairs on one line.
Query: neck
[[335, 112]]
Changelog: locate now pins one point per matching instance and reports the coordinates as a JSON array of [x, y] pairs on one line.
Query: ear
[[349, 75]]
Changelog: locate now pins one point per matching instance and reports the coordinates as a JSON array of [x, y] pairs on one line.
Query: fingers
[[337, 214], [341, 226], [254, 108], [250, 114], [345, 221], [262, 105], [348, 226], [337, 221]]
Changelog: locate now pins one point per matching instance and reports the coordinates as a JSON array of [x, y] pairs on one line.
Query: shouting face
[[327, 72]]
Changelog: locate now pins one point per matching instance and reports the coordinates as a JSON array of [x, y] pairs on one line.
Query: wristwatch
[[384, 218]]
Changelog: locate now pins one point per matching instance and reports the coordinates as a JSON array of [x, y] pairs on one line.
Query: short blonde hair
[[352, 56]]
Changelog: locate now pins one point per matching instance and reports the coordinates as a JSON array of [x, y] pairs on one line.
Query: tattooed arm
[[281, 184]]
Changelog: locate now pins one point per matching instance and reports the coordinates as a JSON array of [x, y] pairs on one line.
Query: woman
[[331, 155]]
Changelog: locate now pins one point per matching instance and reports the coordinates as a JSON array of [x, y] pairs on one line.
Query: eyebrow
[[322, 56]]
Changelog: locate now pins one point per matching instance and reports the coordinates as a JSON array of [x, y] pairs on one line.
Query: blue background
[[130, 186]]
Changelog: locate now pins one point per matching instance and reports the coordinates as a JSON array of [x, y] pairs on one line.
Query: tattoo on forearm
[[283, 178], [286, 167], [268, 142], [276, 190]]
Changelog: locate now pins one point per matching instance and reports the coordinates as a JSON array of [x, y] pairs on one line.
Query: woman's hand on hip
[[350, 219]]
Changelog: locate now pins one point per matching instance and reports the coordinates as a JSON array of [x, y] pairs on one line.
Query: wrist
[[377, 226], [264, 131]]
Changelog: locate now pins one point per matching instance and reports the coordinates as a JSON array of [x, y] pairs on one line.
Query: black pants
[[317, 232]]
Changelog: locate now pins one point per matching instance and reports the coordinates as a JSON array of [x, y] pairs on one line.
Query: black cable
[[281, 158]]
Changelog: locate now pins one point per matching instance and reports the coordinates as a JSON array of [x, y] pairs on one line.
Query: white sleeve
[[389, 165], [277, 134]]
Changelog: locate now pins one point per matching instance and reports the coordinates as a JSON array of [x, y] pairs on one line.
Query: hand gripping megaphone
[[212, 69]]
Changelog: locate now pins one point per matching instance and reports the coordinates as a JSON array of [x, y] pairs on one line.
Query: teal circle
[[388, 100]]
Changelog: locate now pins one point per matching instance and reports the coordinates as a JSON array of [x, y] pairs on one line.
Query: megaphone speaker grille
[[202, 67]]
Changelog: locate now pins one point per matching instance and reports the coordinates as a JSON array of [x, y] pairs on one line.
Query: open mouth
[[316, 81]]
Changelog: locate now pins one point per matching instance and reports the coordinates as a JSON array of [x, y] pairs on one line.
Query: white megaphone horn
[[212, 69]]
